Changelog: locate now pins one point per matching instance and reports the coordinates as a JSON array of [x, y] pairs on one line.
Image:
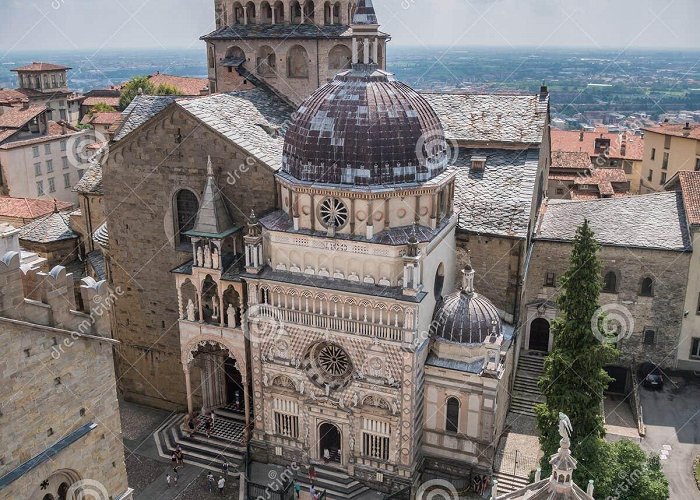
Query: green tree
[[101, 107], [573, 380], [142, 84]]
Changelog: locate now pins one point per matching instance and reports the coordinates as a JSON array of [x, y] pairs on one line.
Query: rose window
[[334, 213], [333, 360], [328, 365]]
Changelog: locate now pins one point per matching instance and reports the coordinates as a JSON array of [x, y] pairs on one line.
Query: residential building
[[669, 149], [572, 176]]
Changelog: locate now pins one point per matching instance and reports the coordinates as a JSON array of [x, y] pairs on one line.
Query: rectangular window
[[286, 415], [695, 348], [649, 336], [35, 151], [64, 160], [653, 153], [66, 181], [664, 164], [667, 142], [697, 309], [52, 185], [663, 178], [63, 145], [80, 173], [550, 279], [40, 188], [37, 169], [375, 439], [650, 177], [697, 164], [49, 166], [47, 148], [62, 113], [560, 191]]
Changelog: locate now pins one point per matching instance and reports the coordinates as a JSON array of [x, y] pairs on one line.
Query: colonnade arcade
[[241, 12]]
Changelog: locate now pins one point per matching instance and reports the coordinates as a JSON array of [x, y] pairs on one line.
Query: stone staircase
[[508, 483], [335, 483], [201, 451], [526, 394]]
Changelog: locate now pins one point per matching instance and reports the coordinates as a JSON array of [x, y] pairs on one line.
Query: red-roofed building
[[605, 150], [185, 85], [20, 211], [46, 84], [102, 122], [688, 183], [669, 149], [572, 176]]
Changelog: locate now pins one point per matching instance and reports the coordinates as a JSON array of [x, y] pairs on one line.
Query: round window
[[334, 213], [333, 360]]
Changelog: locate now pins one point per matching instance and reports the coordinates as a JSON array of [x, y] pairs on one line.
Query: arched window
[[266, 61], [610, 282], [340, 57], [186, 207], [452, 415], [647, 287], [439, 281], [297, 62]]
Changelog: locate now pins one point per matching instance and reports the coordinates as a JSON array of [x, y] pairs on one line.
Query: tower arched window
[[647, 287], [610, 282], [452, 415], [186, 207]]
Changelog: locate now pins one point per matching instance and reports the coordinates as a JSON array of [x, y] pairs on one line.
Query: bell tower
[[291, 47]]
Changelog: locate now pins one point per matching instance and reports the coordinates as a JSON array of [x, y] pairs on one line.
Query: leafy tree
[[142, 84], [573, 380], [101, 107]]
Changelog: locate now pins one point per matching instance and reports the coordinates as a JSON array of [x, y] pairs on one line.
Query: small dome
[[465, 316], [365, 128]]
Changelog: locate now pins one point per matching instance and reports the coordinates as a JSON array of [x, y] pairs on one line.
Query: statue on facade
[[351, 442], [207, 256], [215, 308], [190, 310], [200, 257], [231, 316], [355, 400], [301, 388], [216, 264], [565, 427], [266, 382], [394, 408]]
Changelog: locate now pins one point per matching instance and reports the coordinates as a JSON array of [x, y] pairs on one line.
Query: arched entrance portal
[[221, 379], [539, 335], [329, 442]]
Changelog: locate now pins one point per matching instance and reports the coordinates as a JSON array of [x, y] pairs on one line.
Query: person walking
[[222, 483], [176, 476], [312, 474], [297, 490], [312, 491], [168, 479], [210, 482], [207, 425], [225, 466]]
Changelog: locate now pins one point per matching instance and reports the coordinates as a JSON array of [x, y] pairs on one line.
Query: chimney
[[686, 129], [623, 144], [64, 128], [580, 135], [478, 163], [25, 104]]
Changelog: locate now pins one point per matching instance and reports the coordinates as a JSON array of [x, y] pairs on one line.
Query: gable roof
[[184, 84], [91, 181], [498, 199], [677, 130], [102, 118], [491, 117], [141, 109], [651, 221], [689, 184], [29, 208], [18, 116]]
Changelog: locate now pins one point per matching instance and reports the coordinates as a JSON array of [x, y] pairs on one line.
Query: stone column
[[365, 51], [180, 305], [375, 51], [188, 387], [222, 311], [355, 52], [201, 305]]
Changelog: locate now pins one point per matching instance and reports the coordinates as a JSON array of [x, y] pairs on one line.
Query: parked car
[[651, 375]]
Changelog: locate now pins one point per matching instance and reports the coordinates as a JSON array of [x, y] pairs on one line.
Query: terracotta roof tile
[[103, 118], [18, 116], [690, 188], [570, 141], [11, 96], [677, 130], [39, 66], [109, 101], [185, 85], [29, 208], [571, 159]]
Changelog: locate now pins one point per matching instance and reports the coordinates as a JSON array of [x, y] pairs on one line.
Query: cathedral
[[304, 259]]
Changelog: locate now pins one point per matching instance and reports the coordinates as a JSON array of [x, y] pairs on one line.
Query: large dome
[[465, 316], [365, 128]]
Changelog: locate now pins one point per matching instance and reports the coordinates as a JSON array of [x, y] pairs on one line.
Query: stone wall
[[54, 382], [498, 263], [662, 312], [142, 248]]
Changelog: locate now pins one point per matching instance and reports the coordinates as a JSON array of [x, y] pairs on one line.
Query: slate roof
[[39, 66], [252, 119], [97, 262], [475, 367], [48, 229], [689, 184], [29, 208], [248, 31], [491, 117], [570, 141], [213, 217], [248, 118], [141, 109], [651, 221], [91, 181], [497, 200]]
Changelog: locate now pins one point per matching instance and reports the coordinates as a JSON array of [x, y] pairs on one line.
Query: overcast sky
[[92, 24]]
